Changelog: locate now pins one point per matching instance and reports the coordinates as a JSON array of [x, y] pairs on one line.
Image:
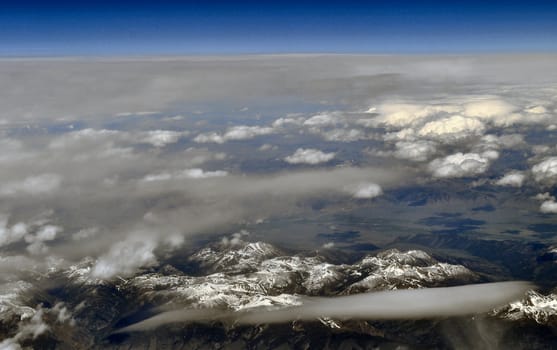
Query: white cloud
[[452, 128], [12, 234], [418, 151], [201, 174], [209, 137], [461, 164], [407, 134], [514, 179], [367, 190], [494, 142], [546, 171], [309, 156], [544, 196], [267, 147], [549, 206], [195, 173], [43, 234], [32, 185], [536, 110], [28, 328], [235, 133], [243, 132], [280, 122], [161, 138], [36, 233], [406, 114], [85, 233], [125, 257], [492, 109], [323, 120]]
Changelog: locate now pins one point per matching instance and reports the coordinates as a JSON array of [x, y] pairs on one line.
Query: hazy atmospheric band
[[392, 305]]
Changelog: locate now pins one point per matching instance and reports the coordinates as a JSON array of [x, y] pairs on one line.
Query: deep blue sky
[[214, 27]]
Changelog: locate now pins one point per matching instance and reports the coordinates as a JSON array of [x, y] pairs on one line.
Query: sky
[[102, 28]]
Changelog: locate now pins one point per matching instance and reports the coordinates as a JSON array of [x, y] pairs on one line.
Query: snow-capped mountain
[[237, 276], [253, 274], [535, 306]]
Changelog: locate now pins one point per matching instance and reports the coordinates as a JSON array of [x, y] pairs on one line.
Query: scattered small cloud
[[309, 156], [195, 173], [235, 133], [461, 164], [367, 191], [546, 171], [125, 257], [161, 138], [417, 151], [513, 179]]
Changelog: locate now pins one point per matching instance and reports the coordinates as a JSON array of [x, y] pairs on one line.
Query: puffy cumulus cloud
[[235, 133], [536, 110], [284, 121], [406, 134], [461, 164], [417, 151], [544, 196], [235, 239], [549, 207], [126, 257], [513, 178], [452, 128], [501, 113], [34, 324], [86, 233], [161, 138], [32, 185], [35, 232], [546, 170], [11, 234], [28, 328], [201, 174], [493, 109], [37, 241], [209, 137], [309, 156], [195, 173], [243, 132], [267, 147], [366, 191], [325, 119], [494, 142], [407, 114]]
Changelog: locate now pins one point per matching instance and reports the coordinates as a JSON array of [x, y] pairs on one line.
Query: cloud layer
[[390, 305]]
